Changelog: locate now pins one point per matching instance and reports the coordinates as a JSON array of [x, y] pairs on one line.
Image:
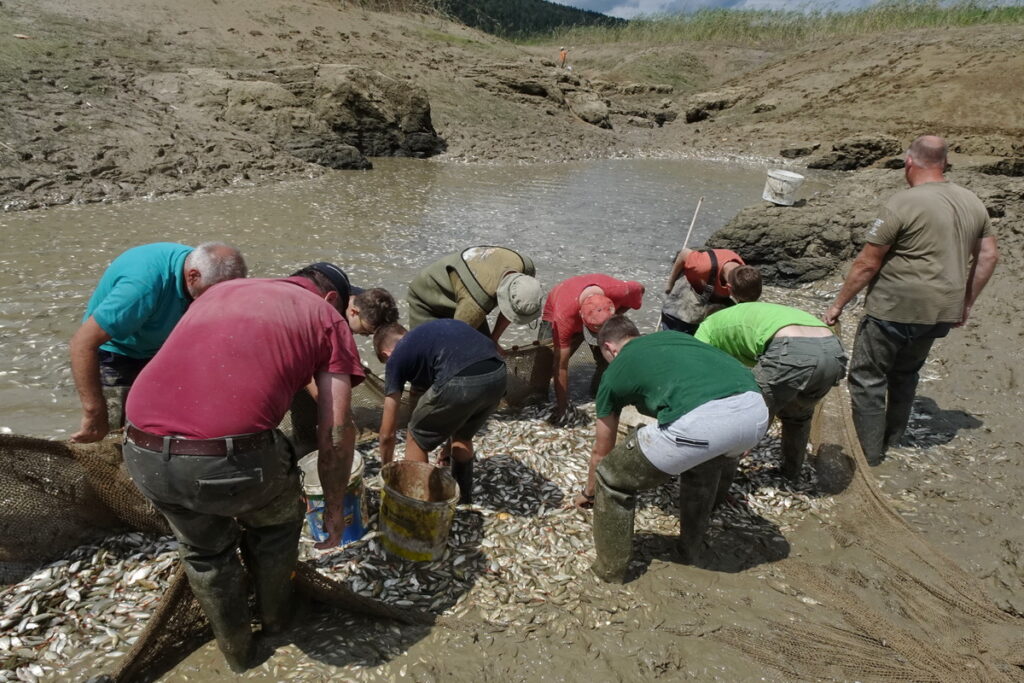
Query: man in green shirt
[[469, 284], [709, 412], [926, 259], [796, 361]]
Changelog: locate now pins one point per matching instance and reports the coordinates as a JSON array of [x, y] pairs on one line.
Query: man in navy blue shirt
[[462, 379]]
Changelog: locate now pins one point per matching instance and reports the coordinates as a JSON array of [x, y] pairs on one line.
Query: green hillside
[[520, 18]]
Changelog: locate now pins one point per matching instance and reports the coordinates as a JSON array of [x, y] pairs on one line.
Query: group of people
[[202, 364]]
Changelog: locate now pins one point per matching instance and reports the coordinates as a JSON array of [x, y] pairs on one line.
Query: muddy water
[[622, 217]]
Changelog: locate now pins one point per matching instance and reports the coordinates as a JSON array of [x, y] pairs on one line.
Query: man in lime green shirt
[[796, 361], [709, 412]]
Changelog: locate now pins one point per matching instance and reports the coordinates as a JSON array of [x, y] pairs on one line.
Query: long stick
[[692, 222]]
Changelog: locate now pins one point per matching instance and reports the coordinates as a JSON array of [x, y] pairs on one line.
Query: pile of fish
[[519, 557], [85, 610]]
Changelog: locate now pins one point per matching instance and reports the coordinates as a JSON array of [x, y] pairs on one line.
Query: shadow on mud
[[930, 425], [731, 545]]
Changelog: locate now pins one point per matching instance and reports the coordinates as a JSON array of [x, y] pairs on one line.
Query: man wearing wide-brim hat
[[469, 284]]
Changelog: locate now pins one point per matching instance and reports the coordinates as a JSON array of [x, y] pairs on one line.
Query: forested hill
[[519, 18]]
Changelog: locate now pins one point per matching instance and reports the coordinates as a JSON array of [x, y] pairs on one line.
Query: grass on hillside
[[789, 27]]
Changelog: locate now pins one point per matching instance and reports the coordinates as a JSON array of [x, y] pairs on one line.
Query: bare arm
[[561, 380], [85, 369], [677, 268], [986, 256], [500, 325], [604, 441], [388, 426], [336, 438], [862, 272]]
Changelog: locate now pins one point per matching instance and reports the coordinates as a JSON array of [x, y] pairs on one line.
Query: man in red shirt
[[575, 310], [712, 276], [202, 442]]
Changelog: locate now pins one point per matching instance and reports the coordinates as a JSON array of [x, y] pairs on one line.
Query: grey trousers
[[884, 372], [622, 474], [794, 373], [217, 504]]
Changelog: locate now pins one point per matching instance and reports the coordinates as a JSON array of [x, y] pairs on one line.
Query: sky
[[627, 9]]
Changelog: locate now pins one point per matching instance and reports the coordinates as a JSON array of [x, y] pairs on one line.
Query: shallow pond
[[626, 218]]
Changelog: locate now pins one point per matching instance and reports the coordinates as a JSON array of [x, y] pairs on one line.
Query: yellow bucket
[[417, 507]]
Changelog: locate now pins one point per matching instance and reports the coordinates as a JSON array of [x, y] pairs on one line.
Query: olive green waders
[[622, 474], [217, 504]]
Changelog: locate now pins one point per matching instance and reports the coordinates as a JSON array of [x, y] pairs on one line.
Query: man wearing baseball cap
[[573, 313], [468, 285], [365, 310]]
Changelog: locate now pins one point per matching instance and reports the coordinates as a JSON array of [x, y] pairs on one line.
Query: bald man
[[926, 258]]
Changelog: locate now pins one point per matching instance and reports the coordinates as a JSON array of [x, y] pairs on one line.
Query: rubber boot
[[794, 448], [463, 474], [728, 473], [698, 487], [623, 473], [871, 434], [223, 595], [271, 554], [897, 417]]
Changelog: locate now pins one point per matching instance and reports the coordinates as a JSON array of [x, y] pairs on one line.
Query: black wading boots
[[463, 474]]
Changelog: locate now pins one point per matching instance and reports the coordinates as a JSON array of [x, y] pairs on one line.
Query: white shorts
[[726, 426]]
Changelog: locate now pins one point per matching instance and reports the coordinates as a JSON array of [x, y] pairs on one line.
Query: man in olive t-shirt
[[927, 257], [709, 412]]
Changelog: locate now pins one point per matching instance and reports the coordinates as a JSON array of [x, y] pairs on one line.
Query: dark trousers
[[884, 371], [117, 374], [216, 505]]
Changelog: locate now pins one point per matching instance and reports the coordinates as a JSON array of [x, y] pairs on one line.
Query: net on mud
[[919, 617], [924, 619]]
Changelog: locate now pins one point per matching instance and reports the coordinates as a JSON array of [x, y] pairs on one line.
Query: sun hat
[[519, 298], [594, 311]]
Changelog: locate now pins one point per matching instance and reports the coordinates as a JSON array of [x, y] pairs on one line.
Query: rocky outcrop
[[332, 115], [589, 106], [857, 152], [793, 245], [702, 106]]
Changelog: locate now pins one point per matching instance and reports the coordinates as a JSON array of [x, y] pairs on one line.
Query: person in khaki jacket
[[469, 284]]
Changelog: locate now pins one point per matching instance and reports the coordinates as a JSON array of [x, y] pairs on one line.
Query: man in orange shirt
[[713, 276]]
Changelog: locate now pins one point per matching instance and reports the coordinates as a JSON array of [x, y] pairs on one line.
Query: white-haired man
[[138, 301]]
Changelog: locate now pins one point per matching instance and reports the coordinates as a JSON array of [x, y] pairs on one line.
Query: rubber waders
[[462, 472]]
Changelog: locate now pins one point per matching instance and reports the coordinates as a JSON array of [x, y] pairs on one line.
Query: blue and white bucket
[[351, 505]]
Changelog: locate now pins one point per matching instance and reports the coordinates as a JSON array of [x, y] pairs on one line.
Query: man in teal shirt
[[138, 301], [796, 361], [709, 412]]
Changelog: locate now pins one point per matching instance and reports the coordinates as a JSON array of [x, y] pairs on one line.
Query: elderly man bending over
[[138, 301]]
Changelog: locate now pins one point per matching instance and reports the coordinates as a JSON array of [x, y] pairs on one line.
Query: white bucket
[[781, 187], [352, 503]]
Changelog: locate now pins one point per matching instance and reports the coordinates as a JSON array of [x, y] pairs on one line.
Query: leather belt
[[180, 446]]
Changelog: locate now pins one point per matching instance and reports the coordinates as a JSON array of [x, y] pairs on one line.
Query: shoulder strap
[[480, 296]]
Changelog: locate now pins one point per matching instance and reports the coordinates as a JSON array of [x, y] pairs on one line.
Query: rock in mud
[[589, 106], [799, 150], [703, 105], [857, 152]]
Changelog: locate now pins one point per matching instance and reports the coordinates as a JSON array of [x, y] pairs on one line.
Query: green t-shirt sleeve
[[884, 229], [607, 402]]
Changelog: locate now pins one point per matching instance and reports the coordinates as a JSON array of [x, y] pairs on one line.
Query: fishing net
[[887, 605]]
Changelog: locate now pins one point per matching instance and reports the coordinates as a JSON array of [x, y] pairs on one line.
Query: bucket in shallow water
[[417, 507], [781, 187], [351, 504]]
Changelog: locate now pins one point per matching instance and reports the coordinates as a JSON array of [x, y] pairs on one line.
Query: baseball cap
[[338, 279], [519, 298], [594, 311]]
